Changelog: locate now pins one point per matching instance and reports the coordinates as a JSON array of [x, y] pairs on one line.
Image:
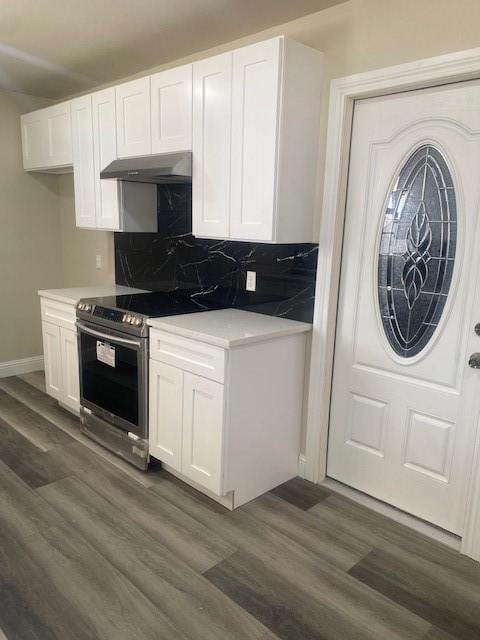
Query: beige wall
[[80, 246], [29, 236], [355, 36]]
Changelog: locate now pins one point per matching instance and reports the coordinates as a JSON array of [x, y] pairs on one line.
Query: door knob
[[474, 361]]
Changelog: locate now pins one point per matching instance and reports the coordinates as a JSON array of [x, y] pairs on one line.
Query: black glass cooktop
[[178, 301]]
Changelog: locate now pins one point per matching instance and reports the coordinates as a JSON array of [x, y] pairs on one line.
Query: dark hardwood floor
[[91, 548]]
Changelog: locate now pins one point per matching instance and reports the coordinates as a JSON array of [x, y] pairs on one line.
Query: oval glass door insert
[[417, 251]]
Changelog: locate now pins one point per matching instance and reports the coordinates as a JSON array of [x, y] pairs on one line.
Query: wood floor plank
[[26, 460], [197, 545], [337, 547], [349, 610], [68, 423], [449, 602], [384, 533], [301, 493], [438, 634], [36, 379], [97, 601], [41, 432], [199, 610], [261, 592]]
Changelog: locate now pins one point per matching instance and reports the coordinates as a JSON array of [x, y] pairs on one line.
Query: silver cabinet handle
[[474, 361], [105, 336]]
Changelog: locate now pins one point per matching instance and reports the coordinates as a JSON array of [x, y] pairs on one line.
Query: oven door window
[[110, 377]]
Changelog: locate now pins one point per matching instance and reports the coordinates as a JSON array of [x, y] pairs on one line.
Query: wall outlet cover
[[98, 261], [251, 280]]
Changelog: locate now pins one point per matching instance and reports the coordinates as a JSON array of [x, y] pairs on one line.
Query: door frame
[[444, 69]]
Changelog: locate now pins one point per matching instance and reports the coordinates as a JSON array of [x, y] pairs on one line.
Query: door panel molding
[[444, 69]]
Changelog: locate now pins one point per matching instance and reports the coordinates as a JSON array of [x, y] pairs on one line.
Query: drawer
[[58, 313], [189, 355]]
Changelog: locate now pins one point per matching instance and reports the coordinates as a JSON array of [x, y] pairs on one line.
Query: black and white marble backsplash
[[174, 259]]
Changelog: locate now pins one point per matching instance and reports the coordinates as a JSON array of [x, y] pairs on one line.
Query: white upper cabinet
[[105, 152], [171, 110], [47, 139], [83, 164], [256, 71], [270, 147], [212, 112], [250, 116], [133, 118]]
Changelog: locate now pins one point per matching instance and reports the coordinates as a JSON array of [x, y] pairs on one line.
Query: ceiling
[[55, 48]]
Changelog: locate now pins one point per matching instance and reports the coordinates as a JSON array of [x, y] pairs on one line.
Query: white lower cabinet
[[60, 353], [70, 376], [166, 407], [227, 421], [203, 431], [53, 359]]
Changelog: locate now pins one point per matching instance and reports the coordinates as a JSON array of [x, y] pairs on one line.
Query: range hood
[[164, 168]]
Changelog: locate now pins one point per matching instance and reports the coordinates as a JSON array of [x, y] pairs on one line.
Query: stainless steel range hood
[[165, 168]]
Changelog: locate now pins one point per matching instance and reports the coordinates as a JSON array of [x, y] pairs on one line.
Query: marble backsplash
[[173, 258]]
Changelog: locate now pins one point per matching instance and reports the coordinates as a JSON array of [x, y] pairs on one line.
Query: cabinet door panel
[[34, 140], [165, 409], [202, 456], [70, 374], [133, 118], [83, 168], [212, 111], [105, 152], [256, 72], [171, 108], [59, 135], [52, 351]]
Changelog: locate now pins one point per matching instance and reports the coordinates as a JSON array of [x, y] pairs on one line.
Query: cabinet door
[[34, 140], [52, 354], [105, 152], [59, 135], [165, 413], [171, 109], [70, 374], [133, 118], [212, 112], [256, 72], [202, 451], [83, 167]]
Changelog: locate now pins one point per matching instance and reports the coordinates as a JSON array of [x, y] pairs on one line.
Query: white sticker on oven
[[105, 353]]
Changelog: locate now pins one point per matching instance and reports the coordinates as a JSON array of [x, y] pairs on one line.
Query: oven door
[[114, 377]]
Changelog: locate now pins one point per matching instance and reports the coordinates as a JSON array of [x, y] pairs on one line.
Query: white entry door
[[404, 408]]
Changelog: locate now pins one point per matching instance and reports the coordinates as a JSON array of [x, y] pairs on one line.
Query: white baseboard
[[17, 367], [302, 461]]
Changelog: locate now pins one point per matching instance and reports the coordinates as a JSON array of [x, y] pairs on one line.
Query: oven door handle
[[105, 336]]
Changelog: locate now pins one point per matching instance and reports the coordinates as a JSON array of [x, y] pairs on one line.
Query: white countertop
[[73, 295], [229, 327]]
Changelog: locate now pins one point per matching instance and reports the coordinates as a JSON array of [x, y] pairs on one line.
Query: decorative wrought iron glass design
[[417, 251]]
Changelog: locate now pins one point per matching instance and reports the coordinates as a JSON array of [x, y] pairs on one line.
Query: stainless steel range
[[113, 360]]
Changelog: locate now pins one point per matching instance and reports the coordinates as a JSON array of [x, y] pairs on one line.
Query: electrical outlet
[[251, 280], [98, 261]]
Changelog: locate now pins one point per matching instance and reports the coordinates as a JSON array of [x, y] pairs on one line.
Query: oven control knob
[[138, 321], [87, 307], [124, 319]]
